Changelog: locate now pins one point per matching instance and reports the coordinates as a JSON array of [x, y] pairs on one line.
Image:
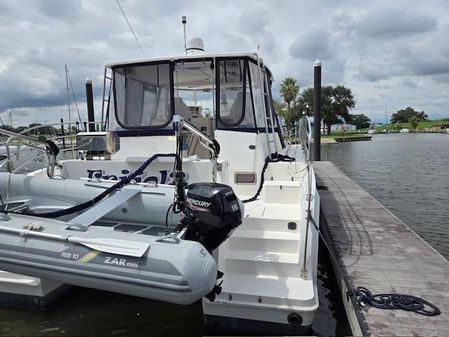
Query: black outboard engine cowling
[[212, 211]]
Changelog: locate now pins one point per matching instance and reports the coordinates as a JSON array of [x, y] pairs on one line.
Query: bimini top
[[252, 56]]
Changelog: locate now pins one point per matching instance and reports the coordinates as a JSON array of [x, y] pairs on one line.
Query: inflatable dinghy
[[167, 269], [122, 243], [39, 194]]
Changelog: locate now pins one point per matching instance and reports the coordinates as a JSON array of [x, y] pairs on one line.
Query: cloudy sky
[[392, 54]]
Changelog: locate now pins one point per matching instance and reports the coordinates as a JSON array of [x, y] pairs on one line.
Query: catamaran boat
[[188, 190]]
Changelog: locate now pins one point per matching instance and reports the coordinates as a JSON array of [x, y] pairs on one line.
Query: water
[[408, 174]]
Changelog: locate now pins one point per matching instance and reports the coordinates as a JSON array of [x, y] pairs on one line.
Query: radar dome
[[195, 45]]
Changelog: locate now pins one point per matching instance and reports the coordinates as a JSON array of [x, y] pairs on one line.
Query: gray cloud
[[407, 82], [425, 67], [381, 50], [311, 45], [394, 23], [374, 72]]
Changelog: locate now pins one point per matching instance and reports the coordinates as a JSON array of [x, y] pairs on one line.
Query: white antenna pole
[[184, 21]]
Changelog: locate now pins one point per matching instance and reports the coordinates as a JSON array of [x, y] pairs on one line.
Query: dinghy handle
[[173, 237]]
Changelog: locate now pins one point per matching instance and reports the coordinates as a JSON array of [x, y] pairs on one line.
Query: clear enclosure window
[[142, 95], [194, 89], [258, 84], [235, 99]]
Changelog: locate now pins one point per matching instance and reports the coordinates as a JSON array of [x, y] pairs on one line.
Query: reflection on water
[[87, 312], [408, 174]]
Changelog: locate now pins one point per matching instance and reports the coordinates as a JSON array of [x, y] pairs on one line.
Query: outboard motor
[[212, 211]]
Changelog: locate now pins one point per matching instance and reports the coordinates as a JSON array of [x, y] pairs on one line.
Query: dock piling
[[317, 111]]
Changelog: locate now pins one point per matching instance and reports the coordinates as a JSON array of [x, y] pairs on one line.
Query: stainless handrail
[[305, 134], [302, 133], [32, 142]]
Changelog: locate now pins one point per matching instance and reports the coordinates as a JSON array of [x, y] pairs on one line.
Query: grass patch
[[421, 125]]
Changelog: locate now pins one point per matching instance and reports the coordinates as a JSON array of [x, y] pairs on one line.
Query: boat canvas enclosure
[[233, 90]]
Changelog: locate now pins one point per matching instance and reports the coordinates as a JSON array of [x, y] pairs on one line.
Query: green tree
[[304, 104], [21, 128], [36, 131], [336, 102], [289, 91], [360, 121], [404, 115], [280, 107], [414, 122]]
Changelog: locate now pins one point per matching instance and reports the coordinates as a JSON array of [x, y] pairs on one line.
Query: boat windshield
[[194, 82], [143, 95], [235, 108]]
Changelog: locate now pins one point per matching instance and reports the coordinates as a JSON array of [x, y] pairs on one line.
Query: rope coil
[[395, 301]]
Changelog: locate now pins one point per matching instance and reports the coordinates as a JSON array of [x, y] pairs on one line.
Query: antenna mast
[[131, 28], [184, 21]]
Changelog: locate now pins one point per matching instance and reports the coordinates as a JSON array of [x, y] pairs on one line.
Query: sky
[[391, 54]]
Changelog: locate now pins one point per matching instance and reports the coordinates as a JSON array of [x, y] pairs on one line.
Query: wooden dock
[[378, 251]]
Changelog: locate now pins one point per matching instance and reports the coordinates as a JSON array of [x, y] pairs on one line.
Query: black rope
[[275, 157], [396, 301], [121, 183]]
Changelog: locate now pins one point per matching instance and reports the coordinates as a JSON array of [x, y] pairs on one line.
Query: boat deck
[[378, 251]]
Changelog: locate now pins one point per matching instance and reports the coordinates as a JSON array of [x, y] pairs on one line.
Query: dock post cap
[[317, 63], [88, 81]]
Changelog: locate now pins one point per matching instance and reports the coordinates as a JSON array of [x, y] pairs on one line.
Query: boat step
[[282, 192], [284, 211], [276, 224], [263, 234], [284, 171], [259, 256], [292, 291], [284, 245], [262, 268]]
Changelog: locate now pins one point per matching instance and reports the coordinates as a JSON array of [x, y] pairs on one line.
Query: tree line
[[44, 130], [336, 104], [409, 115]]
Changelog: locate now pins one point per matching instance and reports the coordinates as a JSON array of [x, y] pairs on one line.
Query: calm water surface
[[407, 173]]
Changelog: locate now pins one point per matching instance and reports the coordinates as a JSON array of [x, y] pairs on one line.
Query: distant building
[[439, 128], [342, 127]]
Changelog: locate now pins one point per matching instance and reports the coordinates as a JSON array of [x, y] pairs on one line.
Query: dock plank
[[377, 250]]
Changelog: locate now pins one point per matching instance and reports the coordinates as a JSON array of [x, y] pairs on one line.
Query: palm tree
[[289, 90]]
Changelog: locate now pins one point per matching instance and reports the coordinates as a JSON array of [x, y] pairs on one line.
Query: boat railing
[[22, 139], [25, 166], [302, 133], [66, 142], [305, 135]]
